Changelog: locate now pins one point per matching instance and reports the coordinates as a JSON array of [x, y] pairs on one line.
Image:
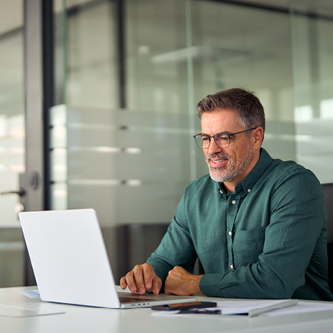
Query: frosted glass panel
[[131, 166]]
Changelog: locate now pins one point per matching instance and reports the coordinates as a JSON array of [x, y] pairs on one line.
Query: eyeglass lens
[[203, 141]]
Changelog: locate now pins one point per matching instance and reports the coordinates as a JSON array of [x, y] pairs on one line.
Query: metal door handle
[[20, 192]]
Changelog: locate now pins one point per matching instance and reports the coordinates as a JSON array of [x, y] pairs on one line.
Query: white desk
[[79, 319]]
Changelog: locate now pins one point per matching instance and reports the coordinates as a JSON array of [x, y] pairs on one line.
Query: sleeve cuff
[[209, 285]]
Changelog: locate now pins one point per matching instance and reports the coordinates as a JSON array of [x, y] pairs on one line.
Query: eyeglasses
[[222, 140]]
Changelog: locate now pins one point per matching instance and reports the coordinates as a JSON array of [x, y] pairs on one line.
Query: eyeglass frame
[[214, 137]]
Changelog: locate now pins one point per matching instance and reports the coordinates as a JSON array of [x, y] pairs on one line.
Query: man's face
[[232, 164]]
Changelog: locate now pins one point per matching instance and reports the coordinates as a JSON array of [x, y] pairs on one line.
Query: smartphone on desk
[[184, 306]]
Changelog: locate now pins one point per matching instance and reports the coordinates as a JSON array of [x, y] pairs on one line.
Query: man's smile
[[217, 163]]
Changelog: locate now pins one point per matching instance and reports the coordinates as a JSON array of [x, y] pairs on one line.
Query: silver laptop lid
[[69, 258]]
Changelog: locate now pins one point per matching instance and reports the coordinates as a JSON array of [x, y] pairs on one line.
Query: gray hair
[[250, 111]]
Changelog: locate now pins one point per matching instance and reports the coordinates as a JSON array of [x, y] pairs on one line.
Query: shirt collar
[[262, 165], [249, 181]]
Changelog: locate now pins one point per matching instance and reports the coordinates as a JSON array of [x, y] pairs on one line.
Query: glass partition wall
[[313, 85], [131, 158], [173, 58], [249, 47], [128, 76]]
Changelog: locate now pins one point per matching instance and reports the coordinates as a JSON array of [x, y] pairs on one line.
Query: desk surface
[[86, 319]]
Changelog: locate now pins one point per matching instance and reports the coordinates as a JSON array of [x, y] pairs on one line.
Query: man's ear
[[258, 137]]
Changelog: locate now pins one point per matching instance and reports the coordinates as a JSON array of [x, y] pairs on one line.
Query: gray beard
[[233, 170]]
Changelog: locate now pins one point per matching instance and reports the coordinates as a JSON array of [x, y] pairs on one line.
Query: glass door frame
[[39, 96]]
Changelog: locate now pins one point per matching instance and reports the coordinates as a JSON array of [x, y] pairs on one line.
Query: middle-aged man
[[257, 224]]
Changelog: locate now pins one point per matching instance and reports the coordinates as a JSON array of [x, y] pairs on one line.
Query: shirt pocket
[[247, 246]]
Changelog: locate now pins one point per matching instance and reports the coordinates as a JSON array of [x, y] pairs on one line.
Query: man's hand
[[140, 279], [182, 283]]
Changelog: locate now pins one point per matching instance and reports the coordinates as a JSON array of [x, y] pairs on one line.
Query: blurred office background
[[125, 78]]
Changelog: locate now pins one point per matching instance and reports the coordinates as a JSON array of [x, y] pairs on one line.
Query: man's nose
[[213, 147]]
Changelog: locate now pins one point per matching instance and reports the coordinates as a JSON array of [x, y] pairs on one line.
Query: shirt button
[[232, 266], [230, 233], [221, 192], [233, 202], [249, 190]]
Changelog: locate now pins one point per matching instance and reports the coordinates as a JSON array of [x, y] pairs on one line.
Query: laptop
[[71, 265]]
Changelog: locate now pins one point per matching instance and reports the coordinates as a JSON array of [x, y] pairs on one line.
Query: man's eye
[[205, 138], [222, 138]]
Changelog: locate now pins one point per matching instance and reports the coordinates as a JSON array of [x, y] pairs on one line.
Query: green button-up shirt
[[266, 240]]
